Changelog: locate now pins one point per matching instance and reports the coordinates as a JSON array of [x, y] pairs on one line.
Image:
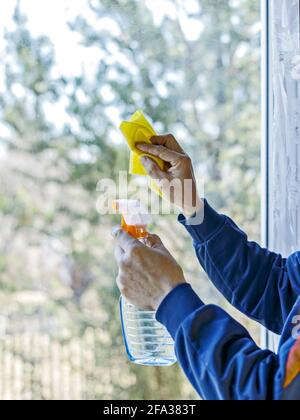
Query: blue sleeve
[[217, 354], [259, 283]]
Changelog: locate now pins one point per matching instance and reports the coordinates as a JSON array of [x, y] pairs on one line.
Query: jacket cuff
[[177, 306], [204, 231]]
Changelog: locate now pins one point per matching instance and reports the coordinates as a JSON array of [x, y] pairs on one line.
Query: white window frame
[[268, 340]]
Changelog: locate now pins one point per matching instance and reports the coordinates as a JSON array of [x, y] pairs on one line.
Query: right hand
[[179, 168], [147, 272]]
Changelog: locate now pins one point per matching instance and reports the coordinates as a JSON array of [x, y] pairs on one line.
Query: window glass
[[70, 72]]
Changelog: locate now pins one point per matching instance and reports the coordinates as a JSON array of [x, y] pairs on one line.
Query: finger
[[154, 241], [152, 168], [125, 241], [119, 254], [169, 141], [162, 152], [120, 283]]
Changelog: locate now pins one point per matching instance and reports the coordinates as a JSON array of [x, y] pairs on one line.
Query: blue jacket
[[216, 353]]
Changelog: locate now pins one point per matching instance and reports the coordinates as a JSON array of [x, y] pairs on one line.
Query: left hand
[[147, 274], [179, 173]]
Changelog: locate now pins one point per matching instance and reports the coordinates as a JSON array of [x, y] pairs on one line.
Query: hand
[[179, 169], [147, 274]]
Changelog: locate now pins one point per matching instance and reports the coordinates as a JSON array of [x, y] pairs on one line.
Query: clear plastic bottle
[[147, 342]]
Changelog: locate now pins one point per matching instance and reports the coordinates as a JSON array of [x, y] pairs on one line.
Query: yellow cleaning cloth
[[139, 130]]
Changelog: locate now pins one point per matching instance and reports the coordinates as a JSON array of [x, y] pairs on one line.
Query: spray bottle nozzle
[[135, 218]]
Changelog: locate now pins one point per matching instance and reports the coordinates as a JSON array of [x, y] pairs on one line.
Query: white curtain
[[284, 140]]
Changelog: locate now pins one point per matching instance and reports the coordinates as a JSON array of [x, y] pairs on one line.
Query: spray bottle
[[147, 342]]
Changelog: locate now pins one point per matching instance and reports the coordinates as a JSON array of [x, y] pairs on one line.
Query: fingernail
[[141, 146]]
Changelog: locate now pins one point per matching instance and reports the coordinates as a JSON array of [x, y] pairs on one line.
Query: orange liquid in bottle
[[138, 232]]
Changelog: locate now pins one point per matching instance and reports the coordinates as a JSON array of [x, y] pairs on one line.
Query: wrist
[[166, 292], [190, 211], [177, 307]]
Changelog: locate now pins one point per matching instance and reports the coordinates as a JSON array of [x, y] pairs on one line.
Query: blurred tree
[[163, 68], [195, 72]]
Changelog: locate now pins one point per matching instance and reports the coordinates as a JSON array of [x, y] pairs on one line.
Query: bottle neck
[[138, 231]]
